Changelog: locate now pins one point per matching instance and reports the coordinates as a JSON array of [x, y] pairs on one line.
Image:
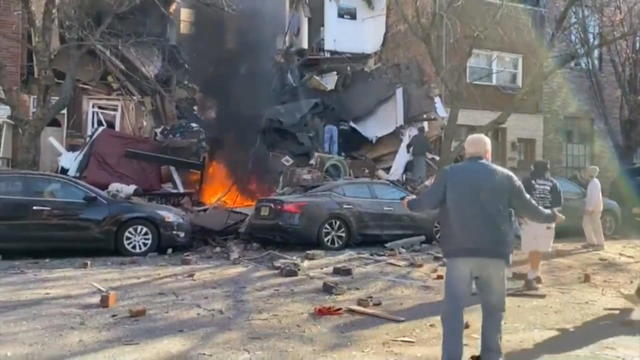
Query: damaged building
[[158, 98]]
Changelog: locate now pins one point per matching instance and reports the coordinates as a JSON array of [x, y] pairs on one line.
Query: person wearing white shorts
[[537, 239]]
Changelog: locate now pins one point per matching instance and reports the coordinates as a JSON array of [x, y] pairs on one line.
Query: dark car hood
[[142, 205]]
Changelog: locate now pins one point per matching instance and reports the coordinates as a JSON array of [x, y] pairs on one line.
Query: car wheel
[[436, 230], [137, 238], [334, 234], [609, 223]]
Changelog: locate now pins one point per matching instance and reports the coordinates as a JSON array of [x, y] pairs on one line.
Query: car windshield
[[568, 186]]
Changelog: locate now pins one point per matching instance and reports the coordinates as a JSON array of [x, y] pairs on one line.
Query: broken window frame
[[33, 101], [6, 143], [495, 69], [91, 127]]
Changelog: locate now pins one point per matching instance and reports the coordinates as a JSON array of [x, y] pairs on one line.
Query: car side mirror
[[90, 198]]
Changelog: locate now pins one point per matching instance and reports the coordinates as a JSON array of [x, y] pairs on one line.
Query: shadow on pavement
[[588, 333]]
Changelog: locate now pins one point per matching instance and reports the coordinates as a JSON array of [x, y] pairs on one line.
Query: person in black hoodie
[[538, 238]]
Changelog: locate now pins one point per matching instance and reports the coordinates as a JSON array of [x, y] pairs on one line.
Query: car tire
[[609, 223], [334, 234], [137, 238]]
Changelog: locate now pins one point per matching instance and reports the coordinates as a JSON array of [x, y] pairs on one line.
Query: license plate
[[265, 210]]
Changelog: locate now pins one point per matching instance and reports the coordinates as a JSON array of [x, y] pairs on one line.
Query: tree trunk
[[450, 132], [29, 145]]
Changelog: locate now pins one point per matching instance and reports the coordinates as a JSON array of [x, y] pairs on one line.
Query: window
[[360, 191], [103, 113], [187, 20], [495, 68], [387, 192], [577, 157], [347, 12], [11, 186], [43, 188], [584, 34]]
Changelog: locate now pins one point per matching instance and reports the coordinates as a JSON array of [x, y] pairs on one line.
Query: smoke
[[231, 59]]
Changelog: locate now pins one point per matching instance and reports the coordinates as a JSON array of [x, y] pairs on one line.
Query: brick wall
[[568, 99], [10, 44]]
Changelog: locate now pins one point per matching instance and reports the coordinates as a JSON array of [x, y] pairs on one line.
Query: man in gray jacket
[[475, 198]]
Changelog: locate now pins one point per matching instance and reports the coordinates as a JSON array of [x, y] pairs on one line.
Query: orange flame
[[219, 188]]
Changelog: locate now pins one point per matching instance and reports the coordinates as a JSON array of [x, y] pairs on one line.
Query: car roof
[[357, 181], [33, 173]]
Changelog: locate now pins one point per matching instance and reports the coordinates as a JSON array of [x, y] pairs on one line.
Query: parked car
[[45, 211], [625, 190], [574, 204], [339, 213]]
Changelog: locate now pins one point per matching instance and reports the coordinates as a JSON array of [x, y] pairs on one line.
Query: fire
[[219, 188]]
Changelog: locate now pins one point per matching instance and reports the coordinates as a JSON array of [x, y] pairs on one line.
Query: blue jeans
[[331, 139], [490, 279]]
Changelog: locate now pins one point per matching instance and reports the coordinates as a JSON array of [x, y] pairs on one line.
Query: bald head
[[478, 145]]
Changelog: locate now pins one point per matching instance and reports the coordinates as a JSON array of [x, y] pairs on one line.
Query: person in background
[[591, 223], [474, 199], [538, 238], [331, 138], [418, 147]]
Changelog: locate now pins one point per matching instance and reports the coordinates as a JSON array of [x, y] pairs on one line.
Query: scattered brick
[[108, 299], [343, 270], [314, 255], [137, 312], [438, 277], [586, 278], [333, 288], [369, 302], [290, 270], [188, 260]]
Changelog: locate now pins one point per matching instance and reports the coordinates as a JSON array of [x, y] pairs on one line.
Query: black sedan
[[339, 213], [45, 211]]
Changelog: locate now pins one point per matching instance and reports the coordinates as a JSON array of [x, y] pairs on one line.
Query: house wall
[[569, 106], [509, 29], [361, 35], [10, 41], [519, 126], [518, 30]]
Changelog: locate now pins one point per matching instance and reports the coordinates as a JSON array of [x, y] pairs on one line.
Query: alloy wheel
[[609, 224], [138, 239], [334, 233], [436, 230]]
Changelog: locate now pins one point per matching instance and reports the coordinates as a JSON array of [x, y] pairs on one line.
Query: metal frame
[[91, 124]]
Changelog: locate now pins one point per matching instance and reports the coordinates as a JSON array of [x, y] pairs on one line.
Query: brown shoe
[[530, 285], [538, 280]]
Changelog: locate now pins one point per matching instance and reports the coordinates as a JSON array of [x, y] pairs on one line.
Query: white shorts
[[537, 237]]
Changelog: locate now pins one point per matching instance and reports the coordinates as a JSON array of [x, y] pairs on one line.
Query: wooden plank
[[527, 295], [102, 289], [375, 313]]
